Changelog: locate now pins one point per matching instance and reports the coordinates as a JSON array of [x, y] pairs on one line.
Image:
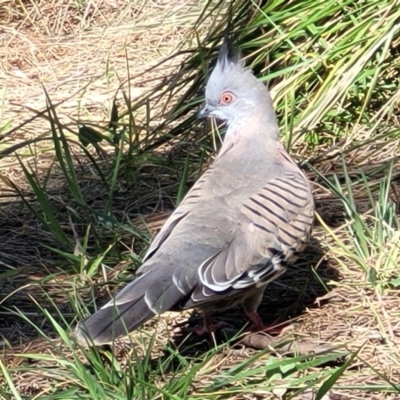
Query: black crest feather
[[227, 53]]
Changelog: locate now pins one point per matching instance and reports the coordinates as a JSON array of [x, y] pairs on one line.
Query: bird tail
[[138, 302]]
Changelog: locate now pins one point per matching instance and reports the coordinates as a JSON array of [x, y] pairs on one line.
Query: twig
[[280, 345]]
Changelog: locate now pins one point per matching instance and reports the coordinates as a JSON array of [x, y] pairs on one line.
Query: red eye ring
[[226, 98]]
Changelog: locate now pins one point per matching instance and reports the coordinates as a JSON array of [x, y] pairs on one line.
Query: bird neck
[[255, 129], [256, 142]]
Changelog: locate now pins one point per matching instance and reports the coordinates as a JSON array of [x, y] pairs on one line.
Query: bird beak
[[206, 111]]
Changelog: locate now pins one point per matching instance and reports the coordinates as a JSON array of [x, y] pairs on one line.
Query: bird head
[[232, 91]]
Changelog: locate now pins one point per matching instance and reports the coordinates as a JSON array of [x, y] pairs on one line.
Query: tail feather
[[138, 302]]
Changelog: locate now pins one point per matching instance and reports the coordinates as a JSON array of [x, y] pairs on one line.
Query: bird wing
[[184, 209], [277, 221]]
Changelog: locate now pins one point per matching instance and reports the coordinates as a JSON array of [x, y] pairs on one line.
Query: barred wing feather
[[278, 222]]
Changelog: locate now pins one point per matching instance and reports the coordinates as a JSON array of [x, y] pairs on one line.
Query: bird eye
[[226, 98]]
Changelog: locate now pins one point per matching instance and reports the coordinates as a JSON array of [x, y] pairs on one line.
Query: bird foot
[[210, 329]]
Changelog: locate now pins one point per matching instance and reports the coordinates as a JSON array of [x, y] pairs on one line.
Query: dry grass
[[81, 56]]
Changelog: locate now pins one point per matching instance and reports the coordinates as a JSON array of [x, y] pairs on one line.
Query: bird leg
[[208, 327], [250, 305], [257, 324]]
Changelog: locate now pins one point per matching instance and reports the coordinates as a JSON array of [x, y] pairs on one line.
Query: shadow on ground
[[38, 271]]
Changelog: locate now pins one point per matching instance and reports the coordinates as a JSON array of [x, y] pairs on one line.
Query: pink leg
[[257, 324]]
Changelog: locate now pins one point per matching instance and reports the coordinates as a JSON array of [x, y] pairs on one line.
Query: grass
[[97, 152]]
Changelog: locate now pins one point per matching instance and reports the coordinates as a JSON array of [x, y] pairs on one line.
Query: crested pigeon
[[238, 228]]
